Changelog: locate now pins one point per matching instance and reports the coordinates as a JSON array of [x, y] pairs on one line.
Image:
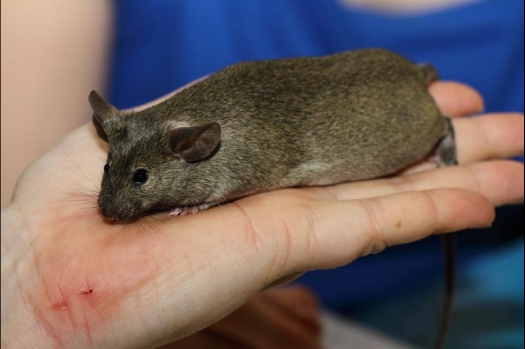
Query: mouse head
[[152, 162]]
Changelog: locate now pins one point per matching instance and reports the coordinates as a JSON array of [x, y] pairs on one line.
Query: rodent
[[258, 126], [263, 125]]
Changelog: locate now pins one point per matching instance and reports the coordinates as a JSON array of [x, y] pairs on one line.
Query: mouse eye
[[106, 168], [140, 176]]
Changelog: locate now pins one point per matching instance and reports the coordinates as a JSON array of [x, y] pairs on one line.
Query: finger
[[455, 99], [334, 237], [486, 137], [490, 136], [500, 182]]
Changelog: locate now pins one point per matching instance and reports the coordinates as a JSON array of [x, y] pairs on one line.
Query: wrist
[[19, 326]]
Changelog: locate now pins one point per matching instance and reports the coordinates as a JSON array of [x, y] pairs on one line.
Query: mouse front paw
[[183, 211]]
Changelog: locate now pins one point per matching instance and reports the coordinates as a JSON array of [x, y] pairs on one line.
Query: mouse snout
[[118, 212], [110, 213]]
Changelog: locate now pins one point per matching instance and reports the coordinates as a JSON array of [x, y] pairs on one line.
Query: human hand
[[71, 279]]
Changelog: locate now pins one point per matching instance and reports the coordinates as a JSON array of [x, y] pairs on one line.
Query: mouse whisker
[[102, 158], [78, 168]]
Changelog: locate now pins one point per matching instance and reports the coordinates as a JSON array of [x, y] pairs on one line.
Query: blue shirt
[[160, 45]]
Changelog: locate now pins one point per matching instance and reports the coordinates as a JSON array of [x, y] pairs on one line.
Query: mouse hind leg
[[428, 72], [445, 152]]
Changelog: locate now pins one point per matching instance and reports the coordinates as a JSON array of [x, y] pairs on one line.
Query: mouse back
[[258, 126]]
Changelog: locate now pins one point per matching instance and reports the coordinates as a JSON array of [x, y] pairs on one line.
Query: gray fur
[[288, 122]]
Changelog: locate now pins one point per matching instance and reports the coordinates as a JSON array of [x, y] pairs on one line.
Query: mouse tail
[[446, 156], [428, 72]]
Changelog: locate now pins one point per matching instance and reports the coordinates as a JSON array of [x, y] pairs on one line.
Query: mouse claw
[[176, 212], [189, 210], [183, 211]]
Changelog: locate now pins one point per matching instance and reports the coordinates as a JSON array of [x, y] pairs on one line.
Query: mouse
[[257, 126]]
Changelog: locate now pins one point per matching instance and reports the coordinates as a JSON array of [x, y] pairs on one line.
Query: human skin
[[406, 6], [72, 279], [53, 53]]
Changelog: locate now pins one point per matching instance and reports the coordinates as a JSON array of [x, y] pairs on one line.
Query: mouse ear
[[100, 130], [102, 111], [195, 143]]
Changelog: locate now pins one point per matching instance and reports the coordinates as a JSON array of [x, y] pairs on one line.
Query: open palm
[[85, 282]]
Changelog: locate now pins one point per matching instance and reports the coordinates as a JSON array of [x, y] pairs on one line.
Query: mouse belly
[[315, 173], [354, 167]]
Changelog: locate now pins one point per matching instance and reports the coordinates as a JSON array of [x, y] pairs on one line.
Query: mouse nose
[[110, 213], [120, 211]]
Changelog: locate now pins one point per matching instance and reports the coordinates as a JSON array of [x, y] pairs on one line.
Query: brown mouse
[[258, 126]]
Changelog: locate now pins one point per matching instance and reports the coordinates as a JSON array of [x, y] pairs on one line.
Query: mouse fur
[[262, 125]]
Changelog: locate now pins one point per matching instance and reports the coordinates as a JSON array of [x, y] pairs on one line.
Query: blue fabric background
[[162, 44]]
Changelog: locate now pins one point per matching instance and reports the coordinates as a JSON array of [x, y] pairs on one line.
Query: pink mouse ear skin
[[195, 143]]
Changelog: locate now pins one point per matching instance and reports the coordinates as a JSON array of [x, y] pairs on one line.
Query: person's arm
[[53, 53], [406, 6]]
